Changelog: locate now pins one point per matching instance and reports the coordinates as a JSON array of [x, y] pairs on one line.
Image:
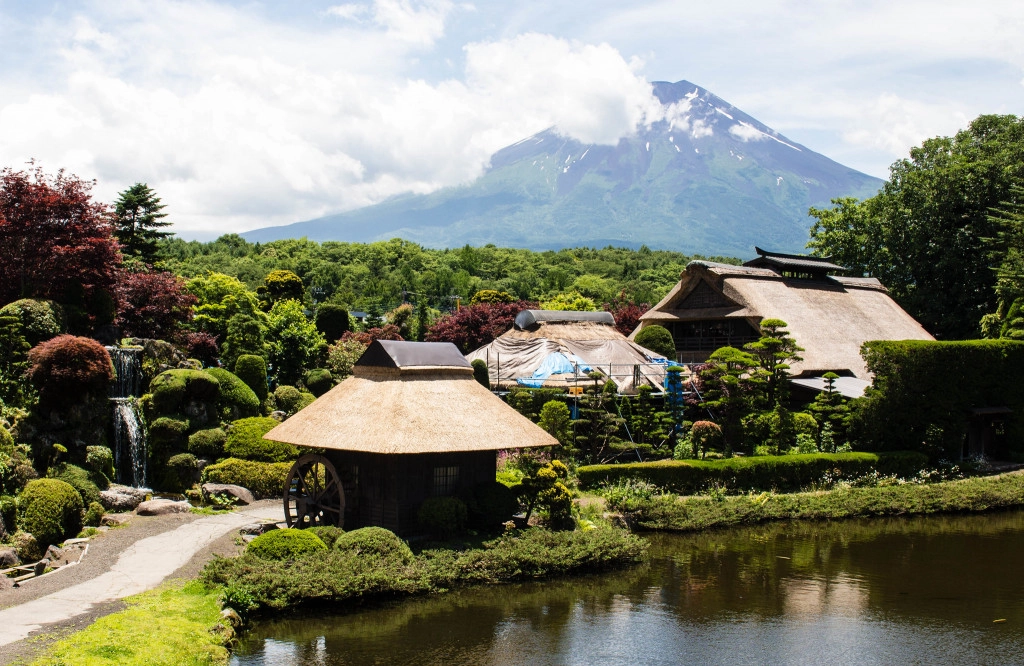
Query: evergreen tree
[[137, 222], [13, 362], [774, 351]]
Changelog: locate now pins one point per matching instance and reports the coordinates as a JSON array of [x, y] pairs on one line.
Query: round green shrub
[[237, 400], [804, 424], [443, 516], [94, 514], [80, 479], [327, 533], [290, 399], [40, 320], [245, 441], [207, 443], [50, 510], [252, 370], [319, 381], [286, 544], [9, 513], [332, 320], [480, 372], [658, 340], [262, 479], [172, 388], [183, 462], [375, 542], [100, 460], [167, 435], [493, 504]]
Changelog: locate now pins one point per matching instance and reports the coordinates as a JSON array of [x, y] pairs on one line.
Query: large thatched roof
[[588, 339], [829, 317], [410, 397]]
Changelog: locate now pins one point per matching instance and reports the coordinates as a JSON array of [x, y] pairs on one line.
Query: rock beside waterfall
[[123, 498], [162, 507]]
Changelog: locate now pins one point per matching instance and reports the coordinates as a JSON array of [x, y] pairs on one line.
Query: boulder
[[162, 507], [256, 529], [122, 498], [26, 546], [8, 558], [241, 495], [115, 520]]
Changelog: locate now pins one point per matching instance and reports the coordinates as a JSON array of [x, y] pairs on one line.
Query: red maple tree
[[152, 304], [627, 313], [53, 237], [474, 326]]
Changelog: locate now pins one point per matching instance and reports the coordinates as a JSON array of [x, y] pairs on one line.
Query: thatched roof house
[[410, 423], [553, 348], [830, 316]]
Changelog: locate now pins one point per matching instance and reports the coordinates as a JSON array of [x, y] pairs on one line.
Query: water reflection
[[922, 590]]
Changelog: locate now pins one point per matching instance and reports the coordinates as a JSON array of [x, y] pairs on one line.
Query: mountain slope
[[707, 179]]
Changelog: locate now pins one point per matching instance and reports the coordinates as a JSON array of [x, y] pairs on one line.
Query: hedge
[[924, 391], [171, 388], [263, 479], [285, 544], [50, 510], [781, 473], [375, 542], [245, 440]]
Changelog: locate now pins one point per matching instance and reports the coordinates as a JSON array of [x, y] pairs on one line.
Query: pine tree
[[137, 220]]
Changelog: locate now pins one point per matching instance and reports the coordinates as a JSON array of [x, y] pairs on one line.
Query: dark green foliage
[[50, 510], [66, 368], [100, 460], [480, 372], [443, 517], [596, 428], [658, 340], [262, 479], [237, 400], [245, 335], [78, 478], [281, 285], [207, 443], [646, 423], [351, 574], [319, 381], [373, 543], [93, 514], [556, 420], [327, 533], [781, 473], [544, 489], [332, 320], [290, 399], [252, 370], [286, 544], [245, 441], [492, 504], [14, 391], [172, 389], [924, 392], [9, 513], [167, 436], [40, 320], [183, 464], [774, 351], [137, 222]]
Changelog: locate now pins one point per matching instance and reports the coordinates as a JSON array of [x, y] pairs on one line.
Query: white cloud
[[746, 132]]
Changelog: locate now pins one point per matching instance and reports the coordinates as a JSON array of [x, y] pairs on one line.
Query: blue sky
[[247, 114]]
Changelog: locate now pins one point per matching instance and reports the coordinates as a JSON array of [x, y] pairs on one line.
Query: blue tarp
[[555, 363]]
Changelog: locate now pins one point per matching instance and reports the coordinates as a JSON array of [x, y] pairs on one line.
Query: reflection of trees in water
[[916, 570]]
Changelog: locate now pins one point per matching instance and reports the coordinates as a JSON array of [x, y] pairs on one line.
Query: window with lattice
[[446, 479], [703, 296]]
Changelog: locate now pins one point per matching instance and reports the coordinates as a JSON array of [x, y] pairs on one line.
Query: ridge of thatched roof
[[410, 408]]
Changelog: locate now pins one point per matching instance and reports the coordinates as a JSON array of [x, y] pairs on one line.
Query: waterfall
[[130, 452]]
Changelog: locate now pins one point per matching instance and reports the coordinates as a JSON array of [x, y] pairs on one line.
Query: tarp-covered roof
[[424, 403], [529, 318]]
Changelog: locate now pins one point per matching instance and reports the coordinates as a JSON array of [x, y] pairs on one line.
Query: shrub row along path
[[120, 563]]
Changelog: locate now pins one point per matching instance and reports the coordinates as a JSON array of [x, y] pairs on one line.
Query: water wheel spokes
[[313, 494]]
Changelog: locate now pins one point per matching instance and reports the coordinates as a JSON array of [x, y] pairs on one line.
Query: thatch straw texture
[[410, 410], [830, 319]]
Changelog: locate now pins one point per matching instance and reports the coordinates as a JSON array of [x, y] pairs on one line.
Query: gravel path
[[120, 562]]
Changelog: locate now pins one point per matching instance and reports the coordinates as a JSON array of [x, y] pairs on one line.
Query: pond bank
[[679, 514]]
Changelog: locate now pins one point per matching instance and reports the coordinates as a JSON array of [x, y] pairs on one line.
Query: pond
[[881, 591]]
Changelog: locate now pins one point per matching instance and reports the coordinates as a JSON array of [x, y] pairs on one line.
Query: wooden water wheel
[[313, 495]]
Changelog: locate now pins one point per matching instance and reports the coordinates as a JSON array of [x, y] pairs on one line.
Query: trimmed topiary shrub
[[332, 320], [262, 479], [327, 533], [184, 467], [66, 367], [781, 473], [252, 370], [93, 514], [167, 435], [237, 400], [443, 516], [171, 389], [207, 443], [286, 544], [480, 372], [50, 510], [245, 441], [658, 340], [493, 504], [319, 381], [100, 460], [80, 479], [375, 542], [40, 320], [290, 399]]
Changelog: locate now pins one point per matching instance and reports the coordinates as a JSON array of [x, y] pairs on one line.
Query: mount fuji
[[707, 178]]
